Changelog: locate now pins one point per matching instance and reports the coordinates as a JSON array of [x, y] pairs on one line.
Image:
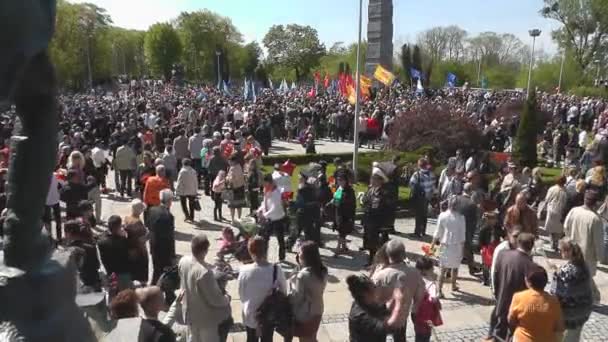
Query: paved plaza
[[465, 313]]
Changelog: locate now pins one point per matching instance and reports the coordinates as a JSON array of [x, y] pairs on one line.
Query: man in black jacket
[[114, 248], [73, 193], [161, 224]]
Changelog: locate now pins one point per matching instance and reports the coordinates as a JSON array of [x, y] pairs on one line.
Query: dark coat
[[510, 271], [114, 253], [88, 270], [155, 331], [345, 211], [71, 194], [161, 225], [366, 323]]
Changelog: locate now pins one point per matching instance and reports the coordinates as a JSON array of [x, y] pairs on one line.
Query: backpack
[[275, 311]]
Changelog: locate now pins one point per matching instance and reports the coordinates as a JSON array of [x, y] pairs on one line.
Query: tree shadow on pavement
[[207, 225], [351, 261], [469, 299], [601, 309], [181, 236]]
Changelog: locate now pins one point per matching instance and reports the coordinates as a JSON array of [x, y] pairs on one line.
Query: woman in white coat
[[187, 188], [450, 233], [556, 202]]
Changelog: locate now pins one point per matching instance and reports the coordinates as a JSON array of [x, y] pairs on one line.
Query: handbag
[[228, 195], [275, 311]]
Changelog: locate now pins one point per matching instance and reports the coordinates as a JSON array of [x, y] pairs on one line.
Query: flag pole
[[357, 91]]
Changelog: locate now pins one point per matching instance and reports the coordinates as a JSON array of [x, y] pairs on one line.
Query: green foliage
[[294, 46], [336, 60], [406, 60], [596, 92], [525, 140], [584, 28], [439, 77], [545, 74], [163, 48], [417, 58], [501, 76]]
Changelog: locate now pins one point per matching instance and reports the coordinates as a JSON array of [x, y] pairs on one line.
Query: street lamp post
[[533, 33], [479, 72], [218, 53], [561, 72], [357, 91]]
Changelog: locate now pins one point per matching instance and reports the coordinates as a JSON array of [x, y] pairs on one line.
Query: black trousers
[[187, 203], [252, 335], [278, 229], [53, 212], [160, 260], [126, 182], [421, 208], [199, 168]]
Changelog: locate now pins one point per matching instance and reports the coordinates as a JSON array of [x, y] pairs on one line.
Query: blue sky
[[336, 20]]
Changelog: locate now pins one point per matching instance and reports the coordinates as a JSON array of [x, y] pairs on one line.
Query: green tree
[[162, 49], [417, 58], [584, 28], [202, 33], [253, 52], [524, 150], [294, 46], [406, 60]]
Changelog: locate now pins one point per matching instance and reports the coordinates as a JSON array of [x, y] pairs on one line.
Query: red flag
[[349, 80], [326, 81], [312, 92], [342, 84], [317, 77]]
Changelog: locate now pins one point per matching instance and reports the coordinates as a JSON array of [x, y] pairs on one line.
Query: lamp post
[[533, 33], [218, 53], [561, 72], [357, 91], [597, 75], [479, 72]]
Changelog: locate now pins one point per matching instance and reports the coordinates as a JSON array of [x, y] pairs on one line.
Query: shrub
[[582, 91], [431, 126]]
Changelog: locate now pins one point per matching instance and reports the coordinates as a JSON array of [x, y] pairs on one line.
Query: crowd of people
[[195, 144]]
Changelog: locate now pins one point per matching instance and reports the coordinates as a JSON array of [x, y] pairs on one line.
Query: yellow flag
[[366, 83], [352, 94], [384, 75]]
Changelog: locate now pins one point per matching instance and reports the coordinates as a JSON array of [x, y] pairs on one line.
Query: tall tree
[[584, 30], [456, 39], [294, 46], [417, 58], [406, 60], [525, 140], [162, 48], [434, 42], [253, 52], [201, 33]]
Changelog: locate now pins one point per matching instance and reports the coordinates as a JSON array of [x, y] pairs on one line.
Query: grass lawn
[[404, 192]]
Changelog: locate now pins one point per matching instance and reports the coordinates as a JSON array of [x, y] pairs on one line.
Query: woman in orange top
[[536, 315]]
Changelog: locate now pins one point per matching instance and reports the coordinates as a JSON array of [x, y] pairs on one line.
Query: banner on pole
[[384, 76]]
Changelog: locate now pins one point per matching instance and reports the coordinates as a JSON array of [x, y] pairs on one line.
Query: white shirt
[[451, 228], [52, 197], [98, 156], [272, 206], [255, 284], [503, 246], [238, 115], [282, 180]]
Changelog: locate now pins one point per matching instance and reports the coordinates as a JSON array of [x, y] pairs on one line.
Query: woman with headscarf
[[344, 202], [375, 207], [369, 319], [137, 235]]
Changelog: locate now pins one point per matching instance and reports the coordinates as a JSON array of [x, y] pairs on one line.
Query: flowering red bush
[[429, 125]]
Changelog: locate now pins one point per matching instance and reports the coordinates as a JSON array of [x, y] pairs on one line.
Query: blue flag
[[225, 89], [254, 97], [246, 90], [415, 73], [451, 80]]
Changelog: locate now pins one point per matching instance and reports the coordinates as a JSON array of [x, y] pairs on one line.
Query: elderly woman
[[534, 314], [451, 234], [375, 207], [187, 188], [345, 203], [596, 180], [369, 319], [572, 287], [235, 180], [556, 202], [137, 235]]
